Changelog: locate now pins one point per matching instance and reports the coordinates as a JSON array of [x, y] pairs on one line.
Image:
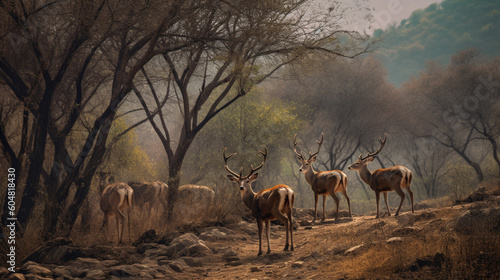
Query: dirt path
[[319, 250]]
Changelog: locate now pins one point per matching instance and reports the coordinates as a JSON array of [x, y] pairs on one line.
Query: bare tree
[[457, 107], [244, 43], [60, 59]]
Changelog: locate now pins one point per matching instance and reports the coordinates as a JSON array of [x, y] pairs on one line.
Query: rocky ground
[[432, 243]]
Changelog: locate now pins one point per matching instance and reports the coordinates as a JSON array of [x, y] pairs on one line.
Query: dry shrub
[[459, 180], [473, 256], [227, 207]]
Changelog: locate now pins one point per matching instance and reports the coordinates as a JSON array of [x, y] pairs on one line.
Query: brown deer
[[323, 183], [149, 195], [105, 178], [115, 199], [266, 205], [384, 180]]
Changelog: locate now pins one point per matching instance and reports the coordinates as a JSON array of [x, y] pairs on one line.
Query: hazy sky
[[389, 11]]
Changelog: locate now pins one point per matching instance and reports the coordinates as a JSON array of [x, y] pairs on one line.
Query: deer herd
[[275, 203]]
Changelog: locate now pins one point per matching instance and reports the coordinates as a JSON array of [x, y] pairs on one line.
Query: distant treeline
[[438, 32]]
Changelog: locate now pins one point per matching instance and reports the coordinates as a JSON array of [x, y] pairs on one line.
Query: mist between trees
[[154, 90]]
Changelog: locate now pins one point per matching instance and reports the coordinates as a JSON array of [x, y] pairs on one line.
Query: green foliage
[[244, 128], [438, 32], [126, 159]]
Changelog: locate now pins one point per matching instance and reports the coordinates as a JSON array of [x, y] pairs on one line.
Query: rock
[[354, 249], [175, 266], [149, 236], [297, 264], [16, 276], [199, 249], [68, 272], [376, 226], [88, 263], [305, 223], [213, 235], [95, 274], [192, 262], [394, 240], [255, 269], [57, 252], [405, 231], [3, 271], [478, 220], [34, 268], [124, 271], [158, 250], [229, 254], [424, 216], [184, 241]]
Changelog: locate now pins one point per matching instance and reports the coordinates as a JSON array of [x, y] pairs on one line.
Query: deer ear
[[253, 177], [313, 159], [232, 178], [370, 159]]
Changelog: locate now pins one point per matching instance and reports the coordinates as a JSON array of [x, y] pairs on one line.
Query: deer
[[269, 204], [105, 178], [323, 183], [148, 195], [115, 199], [384, 180]]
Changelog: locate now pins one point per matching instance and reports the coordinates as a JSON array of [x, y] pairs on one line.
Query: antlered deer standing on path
[[266, 205], [384, 180], [323, 182], [115, 199]]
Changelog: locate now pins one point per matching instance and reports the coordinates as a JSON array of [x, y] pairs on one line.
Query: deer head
[[244, 182], [363, 161], [306, 163]]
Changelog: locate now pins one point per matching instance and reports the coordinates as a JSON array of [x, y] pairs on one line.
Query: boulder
[[214, 235], [478, 220], [199, 249]]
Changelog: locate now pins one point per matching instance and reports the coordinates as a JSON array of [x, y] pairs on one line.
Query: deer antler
[[264, 153], [382, 143], [295, 147], [319, 146], [225, 163]]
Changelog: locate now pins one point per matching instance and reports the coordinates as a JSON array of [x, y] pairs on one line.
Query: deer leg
[[259, 226], [120, 221], [290, 228], [105, 226], [348, 202], [128, 222], [402, 195], [316, 197], [377, 198], [324, 204], [387, 204], [286, 221], [411, 198], [337, 202], [268, 235]]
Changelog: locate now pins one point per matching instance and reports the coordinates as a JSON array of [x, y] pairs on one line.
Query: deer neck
[[309, 174], [103, 184], [365, 174], [247, 196]]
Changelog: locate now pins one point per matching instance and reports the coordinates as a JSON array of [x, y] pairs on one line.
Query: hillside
[[452, 242], [436, 33]]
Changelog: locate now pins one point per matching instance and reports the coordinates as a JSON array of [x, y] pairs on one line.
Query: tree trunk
[[175, 166], [36, 161]]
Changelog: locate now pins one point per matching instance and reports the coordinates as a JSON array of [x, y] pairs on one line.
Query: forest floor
[[452, 242]]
